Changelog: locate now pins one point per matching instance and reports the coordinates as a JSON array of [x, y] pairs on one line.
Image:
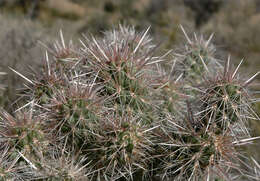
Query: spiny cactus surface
[[111, 109]]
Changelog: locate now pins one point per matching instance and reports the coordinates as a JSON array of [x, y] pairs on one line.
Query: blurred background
[[23, 23]]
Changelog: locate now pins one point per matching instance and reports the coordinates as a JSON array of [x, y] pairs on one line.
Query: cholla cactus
[[110, 109], [226, 101], [196, 58]]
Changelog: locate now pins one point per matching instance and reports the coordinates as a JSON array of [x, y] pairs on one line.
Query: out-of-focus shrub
[[19, 50], [29, 7], [43, 9], [237, 29], [203, 9]]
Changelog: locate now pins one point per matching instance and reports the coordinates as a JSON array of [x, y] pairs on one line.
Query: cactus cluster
[[111, 109]]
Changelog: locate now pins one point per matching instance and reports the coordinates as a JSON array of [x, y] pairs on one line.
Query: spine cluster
[[111, 109]]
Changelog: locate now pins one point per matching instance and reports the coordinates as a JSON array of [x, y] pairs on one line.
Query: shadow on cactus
[[111, 109]]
